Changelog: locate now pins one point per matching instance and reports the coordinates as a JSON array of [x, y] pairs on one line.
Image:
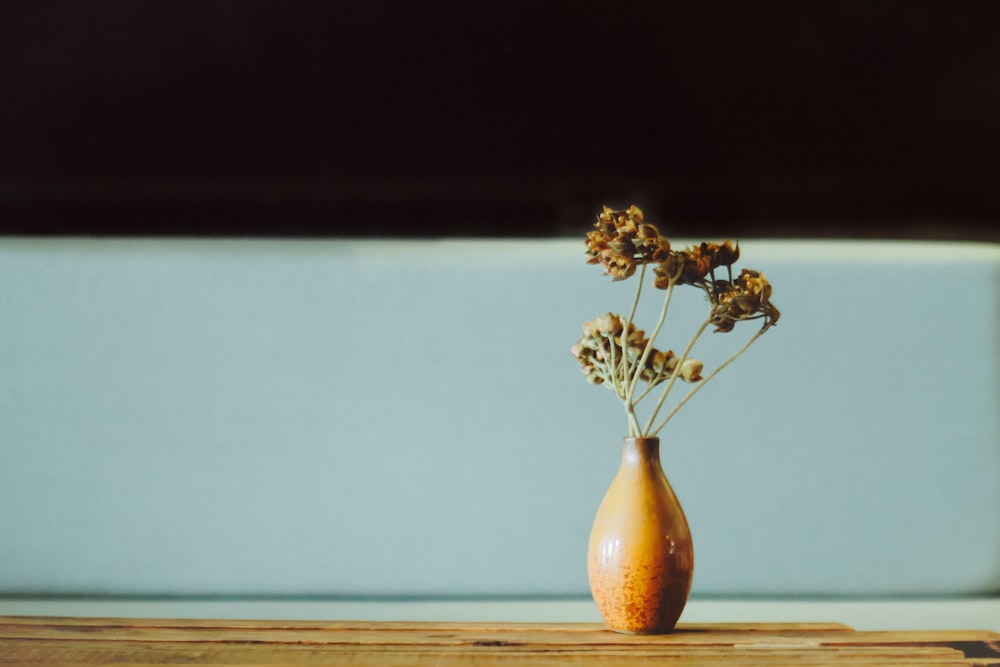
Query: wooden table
[[43, 641]]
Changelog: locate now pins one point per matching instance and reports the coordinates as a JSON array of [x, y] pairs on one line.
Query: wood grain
[[43, 641]]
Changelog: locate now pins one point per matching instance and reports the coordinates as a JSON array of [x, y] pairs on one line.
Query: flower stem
[[630, 390], [633, 420], [624, 338], [695, 389], [675, 374], [638, 292], [614, 367], [647, 391]]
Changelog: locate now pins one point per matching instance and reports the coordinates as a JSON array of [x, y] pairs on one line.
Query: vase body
[[640, 559]]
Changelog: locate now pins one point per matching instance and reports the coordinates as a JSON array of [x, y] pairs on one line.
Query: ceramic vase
[[640, 559]]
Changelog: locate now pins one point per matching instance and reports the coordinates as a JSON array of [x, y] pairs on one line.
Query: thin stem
[[645, 392], [638, 291], [633, 422], [676, 373], [630, 390], [625, 334], [614, 366], [606, 371], [695, 389]]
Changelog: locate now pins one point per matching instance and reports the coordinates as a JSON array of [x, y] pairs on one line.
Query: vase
[[640, 559]]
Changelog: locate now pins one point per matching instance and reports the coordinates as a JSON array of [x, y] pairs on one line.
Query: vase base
[[642, 632]]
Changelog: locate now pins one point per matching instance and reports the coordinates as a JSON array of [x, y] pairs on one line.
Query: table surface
[[966, 613], [47, 640]]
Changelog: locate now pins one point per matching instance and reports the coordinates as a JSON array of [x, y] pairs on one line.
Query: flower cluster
[[610, 345], [613, 352], [695, 265], [622, 240], [746, 298]]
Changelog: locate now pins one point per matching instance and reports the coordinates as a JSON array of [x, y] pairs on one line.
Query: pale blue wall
[[369, 418]]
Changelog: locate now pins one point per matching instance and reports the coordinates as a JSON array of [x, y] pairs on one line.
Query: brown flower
[[615, 353], [622, 240], [692, 266], [719, 254], [749, 297], [605, 344], [691, 370]]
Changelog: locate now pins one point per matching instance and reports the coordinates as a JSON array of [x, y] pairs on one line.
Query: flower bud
[[606, 324], [691, 370], [657, 361]]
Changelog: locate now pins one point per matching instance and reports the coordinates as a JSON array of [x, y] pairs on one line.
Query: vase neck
[[641, 451]]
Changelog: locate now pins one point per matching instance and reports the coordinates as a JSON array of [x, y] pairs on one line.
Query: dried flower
[[691, 370], [748, 298], [693, 266], [622, 240], [605, 346], [613, 352]]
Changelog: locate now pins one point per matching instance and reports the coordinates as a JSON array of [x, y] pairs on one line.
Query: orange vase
[[640, 558]]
